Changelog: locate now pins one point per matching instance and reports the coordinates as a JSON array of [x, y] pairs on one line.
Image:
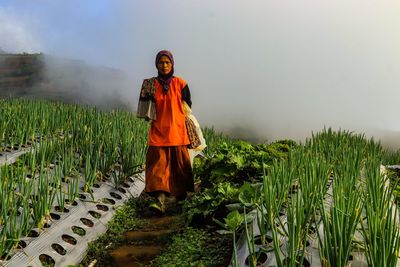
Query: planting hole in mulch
[[261, 259], [55, 216], [130, 180], [59, 249], [21, 244], [46, 225], [18, 213], [125, 185], [351, 257], [120, 189], [52, 184], [306, 263], [5, 257], [95, 214], [312, 230], [82, 196], [108, 201], [33, 233], [87, 222], [69, 239], [46, 260], [29, 176], [90, 190], [78, 230], [115, 195], [96, 185], [59, 209], [258, 240], [102, 207], [293, 191], [74, 203]]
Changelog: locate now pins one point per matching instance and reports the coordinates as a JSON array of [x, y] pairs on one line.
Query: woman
[[168, 167]]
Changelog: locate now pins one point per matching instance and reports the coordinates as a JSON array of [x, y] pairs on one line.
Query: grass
[[195, 247]]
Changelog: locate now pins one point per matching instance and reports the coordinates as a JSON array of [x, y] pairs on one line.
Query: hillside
[[71, 81], [19, 71]]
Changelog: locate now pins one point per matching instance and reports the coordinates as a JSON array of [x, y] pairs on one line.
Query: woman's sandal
[[158, 208]]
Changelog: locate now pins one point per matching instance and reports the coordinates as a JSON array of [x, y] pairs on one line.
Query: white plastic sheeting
[[42, 245], [312, 251], [11, 157]]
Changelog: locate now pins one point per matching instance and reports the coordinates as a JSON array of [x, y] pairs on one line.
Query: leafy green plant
[[233, 221], [211, 203], [239, 161]]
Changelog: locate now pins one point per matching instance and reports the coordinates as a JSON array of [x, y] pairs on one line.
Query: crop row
[[68, 146], [330, 189]]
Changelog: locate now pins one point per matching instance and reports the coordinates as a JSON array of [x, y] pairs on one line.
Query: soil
[[143, 245], [69, 239], [135, 255], [78, 230], [59, 249], [87, 222], [46, 260]]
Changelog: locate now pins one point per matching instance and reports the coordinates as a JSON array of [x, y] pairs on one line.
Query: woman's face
[[164, 65]]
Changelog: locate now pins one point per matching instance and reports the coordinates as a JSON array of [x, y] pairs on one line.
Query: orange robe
[[168, 167], [169, 129]]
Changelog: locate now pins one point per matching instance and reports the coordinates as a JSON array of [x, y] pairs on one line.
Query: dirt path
[[144, 244]]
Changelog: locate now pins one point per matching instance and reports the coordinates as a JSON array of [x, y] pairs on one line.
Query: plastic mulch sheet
[[66, 240]]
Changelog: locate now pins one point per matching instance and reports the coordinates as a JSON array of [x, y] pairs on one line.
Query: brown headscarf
[[165, 80]]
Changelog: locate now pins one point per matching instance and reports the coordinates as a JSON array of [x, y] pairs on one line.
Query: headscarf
[[165, 80]]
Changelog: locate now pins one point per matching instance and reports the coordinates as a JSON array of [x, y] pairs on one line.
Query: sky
[[263, 69]]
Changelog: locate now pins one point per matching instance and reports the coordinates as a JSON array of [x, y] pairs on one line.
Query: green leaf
[[234, 220], [234, 206], [238, 160], [247, 195], [250, 194]]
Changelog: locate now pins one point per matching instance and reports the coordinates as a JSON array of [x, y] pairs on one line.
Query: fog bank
[[264, 70]]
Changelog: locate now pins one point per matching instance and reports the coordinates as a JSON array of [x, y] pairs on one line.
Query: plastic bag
[[197, 150]]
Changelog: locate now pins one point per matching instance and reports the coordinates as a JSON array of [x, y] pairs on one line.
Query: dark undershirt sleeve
[[186, 96]]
